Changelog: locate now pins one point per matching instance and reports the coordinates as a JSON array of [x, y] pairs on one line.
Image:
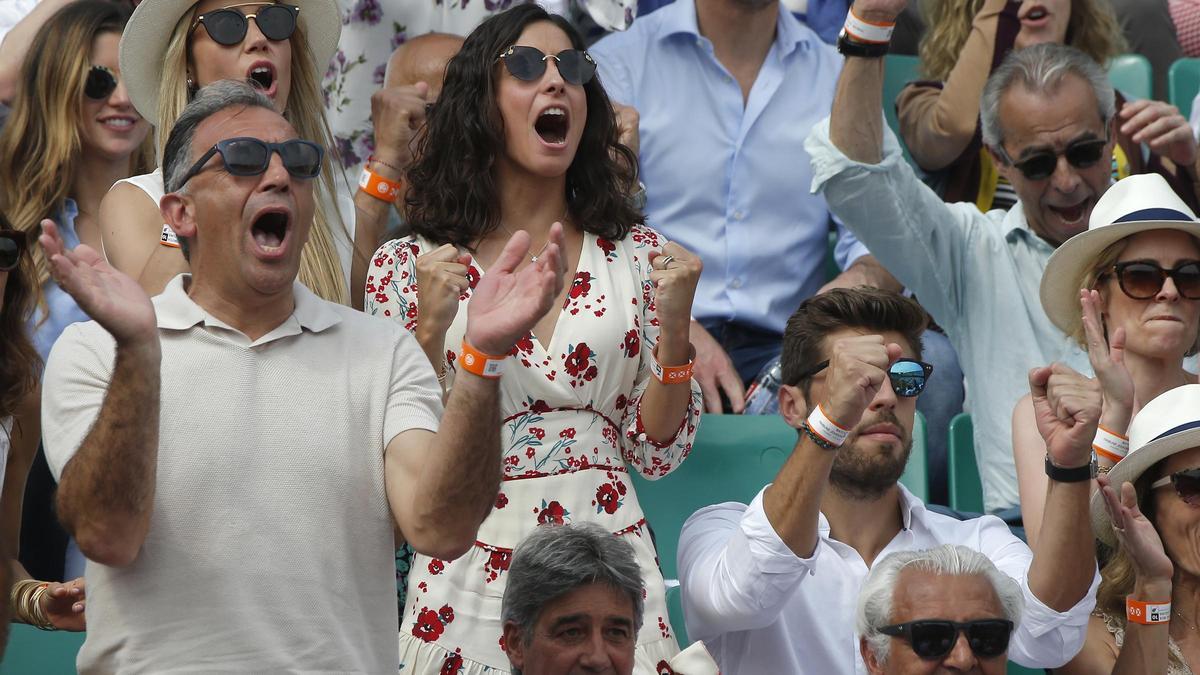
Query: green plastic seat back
[[1131, 75], [31, 651], [966, 490], [1183, 82], [898, 70]]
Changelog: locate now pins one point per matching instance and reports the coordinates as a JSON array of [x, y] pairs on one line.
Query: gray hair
[[878, 592], [557, 559], [1041, 69]]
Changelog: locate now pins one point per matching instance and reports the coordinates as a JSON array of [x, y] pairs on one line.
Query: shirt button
[[736, 283], [739, 215]]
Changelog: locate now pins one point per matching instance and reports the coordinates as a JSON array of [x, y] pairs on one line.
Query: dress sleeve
[[654, 460], [391, 290]]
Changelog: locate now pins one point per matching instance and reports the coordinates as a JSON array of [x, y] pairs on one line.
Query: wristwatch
[[849, 47], [1076, 474]]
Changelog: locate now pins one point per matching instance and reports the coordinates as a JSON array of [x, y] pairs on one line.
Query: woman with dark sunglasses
[[524, 137]]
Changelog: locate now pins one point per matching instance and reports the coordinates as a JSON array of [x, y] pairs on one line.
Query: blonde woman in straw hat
[[1148, 507], [1128, 290], [171, 48]]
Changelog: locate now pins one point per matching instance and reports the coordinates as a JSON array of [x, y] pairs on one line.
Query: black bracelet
[[816, 438], [850, 47], [1075, 474]]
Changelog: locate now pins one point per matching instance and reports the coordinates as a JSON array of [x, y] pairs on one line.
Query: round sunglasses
[[247, 156], [908, 376], [12, 245], [1143, 280], [934, 638], [1187, 485], [529, 63], [99, 83], [1040, 165], [227, 26]]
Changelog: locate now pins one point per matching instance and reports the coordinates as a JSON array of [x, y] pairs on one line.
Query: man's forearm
[[106, 494], [856, 121], [793, 502], [1064, 561], [370, 220]]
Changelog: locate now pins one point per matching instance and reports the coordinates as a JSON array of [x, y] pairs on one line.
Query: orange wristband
[[1147, 613], [484, 365], [379, 187], [673, 374]]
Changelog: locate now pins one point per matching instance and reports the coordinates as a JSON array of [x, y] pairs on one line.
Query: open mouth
[[262, 76], [270, 229], [1036, 14], [1071, 214], [552, 125]]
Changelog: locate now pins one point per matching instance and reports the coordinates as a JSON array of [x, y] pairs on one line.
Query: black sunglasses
[[99, 84], [529, 63], [908, 376], [1143, 280], [934, 638], [228, 26], [12, 245], [1040, 165], [1187, 485], [245, 156]]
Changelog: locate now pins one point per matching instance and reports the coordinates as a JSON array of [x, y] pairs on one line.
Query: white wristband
[[1110, 446], [826, 428], [865, 31]]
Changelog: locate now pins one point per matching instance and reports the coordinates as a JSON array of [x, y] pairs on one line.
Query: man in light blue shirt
[[727, 90]]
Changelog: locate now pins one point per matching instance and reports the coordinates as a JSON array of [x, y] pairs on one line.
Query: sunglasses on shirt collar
[[529, 63], [1040, 165], [1187, 485], [228, 26], [934, 638], [908, 376]]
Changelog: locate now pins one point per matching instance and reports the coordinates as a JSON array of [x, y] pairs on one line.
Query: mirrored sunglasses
[[12, 245], [1040, 165], [1142, 280], [227, 26], [246, 156], [529, 63], [933, 639], [99, 83], [908, 376], [1187, 485]]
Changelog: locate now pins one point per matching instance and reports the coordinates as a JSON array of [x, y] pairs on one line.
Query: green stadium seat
[[1131, 75], [899, 70], [42, 652], [966, 490], [1183, 83]]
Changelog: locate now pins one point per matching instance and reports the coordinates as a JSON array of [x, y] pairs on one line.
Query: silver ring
[[667, 260]]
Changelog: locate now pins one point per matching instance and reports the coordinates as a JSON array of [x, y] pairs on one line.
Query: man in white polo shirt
[[235, 456]]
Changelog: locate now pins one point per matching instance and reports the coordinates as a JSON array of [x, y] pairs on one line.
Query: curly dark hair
[[20, 364], [452, 195]]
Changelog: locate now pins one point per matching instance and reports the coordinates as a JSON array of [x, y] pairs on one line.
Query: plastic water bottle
[[762, 398]]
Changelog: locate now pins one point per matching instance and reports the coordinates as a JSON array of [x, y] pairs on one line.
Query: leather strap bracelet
[[1076, 474]]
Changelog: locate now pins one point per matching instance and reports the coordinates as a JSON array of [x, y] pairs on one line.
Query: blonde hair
[[1093, 29], [320, 267], [40, 145]]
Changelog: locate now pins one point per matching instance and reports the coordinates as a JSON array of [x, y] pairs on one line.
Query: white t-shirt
[[271, 544]]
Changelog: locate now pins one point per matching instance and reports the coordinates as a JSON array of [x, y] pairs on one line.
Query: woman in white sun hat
[[1128, 290], [171, 48], [1148, 507]]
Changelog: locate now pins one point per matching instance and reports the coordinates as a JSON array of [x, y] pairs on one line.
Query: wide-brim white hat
[[144, 43], [1132, 205], [1167, 425]]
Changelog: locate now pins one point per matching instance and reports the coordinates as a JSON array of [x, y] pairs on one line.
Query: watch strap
[[850, 47], [1076, 474]]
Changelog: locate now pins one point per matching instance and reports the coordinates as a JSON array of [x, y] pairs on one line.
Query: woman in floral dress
[[523, 140]]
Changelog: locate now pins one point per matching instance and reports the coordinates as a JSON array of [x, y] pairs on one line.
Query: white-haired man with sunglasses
[[771, 586], [1049, 123], [944, 609], [237, 456]]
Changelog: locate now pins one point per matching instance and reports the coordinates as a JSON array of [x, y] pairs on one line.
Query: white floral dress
[[571, 434]]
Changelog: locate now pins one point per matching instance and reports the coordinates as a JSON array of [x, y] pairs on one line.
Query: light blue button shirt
[[61, 310], [978, 275], [726, 179]]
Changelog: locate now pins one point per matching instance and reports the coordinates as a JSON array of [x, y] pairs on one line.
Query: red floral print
[[551, 513], [607, 246], [453, 664], [501, 500], [578, 360], [446, 614], [581, 285], [664, 668], [632, 343], [429, 626], [569, 432], [607, 499], [436, 566]]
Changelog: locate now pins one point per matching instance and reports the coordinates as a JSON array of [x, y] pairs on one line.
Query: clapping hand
[[1137, 535], [1161, 126], [1066, 406], [111, 298], [506, 303], [441, 280], [857, 369], [1108, 362]]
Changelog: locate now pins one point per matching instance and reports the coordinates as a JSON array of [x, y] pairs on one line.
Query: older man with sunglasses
[[771, 586], [236, 457], [1048, 122]]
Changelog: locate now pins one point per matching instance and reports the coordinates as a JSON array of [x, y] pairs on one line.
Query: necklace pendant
[[533, 258]]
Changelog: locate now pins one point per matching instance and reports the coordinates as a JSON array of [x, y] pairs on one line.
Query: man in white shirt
[[236, 455], [745, 570]]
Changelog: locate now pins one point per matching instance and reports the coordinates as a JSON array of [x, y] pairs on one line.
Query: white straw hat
[[1167, 425], [1131, 205], [144, 43]]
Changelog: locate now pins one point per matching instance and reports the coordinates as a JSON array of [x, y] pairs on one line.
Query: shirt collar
[[679, 18], [911, 509], [1016, 226], [177, 311]]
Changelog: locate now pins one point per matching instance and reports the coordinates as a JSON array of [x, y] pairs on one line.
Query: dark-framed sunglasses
[[529, 63], [934, 638], [1187, 485], [99, 83], [908, 376], [12, 244], [1142, 280], [246, 156], [227, 26], [1040, 165]]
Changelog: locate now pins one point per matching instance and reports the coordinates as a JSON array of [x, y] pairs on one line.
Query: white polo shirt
[[271, 546]]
